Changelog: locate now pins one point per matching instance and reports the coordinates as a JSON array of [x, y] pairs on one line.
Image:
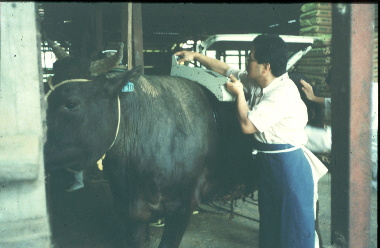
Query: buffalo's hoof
[[159, 223]]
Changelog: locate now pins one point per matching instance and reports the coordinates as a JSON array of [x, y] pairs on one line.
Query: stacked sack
[[316, 20]]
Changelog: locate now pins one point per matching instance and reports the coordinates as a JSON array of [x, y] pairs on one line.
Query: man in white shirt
[[275, 116], [319, 139]]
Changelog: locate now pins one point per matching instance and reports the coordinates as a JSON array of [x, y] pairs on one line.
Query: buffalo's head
[[82, 114]]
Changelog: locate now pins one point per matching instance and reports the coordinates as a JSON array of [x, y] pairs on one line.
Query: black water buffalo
[[169, 144]]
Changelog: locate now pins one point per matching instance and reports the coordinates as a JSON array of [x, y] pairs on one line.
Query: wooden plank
[[99, 26], [129, 46], [124, 28], [137, 35]]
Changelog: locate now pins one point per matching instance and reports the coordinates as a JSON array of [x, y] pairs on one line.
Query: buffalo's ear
[[118, 80], [133, 74]]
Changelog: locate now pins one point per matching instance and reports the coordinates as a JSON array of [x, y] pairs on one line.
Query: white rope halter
[[118, 121], [52, 88]]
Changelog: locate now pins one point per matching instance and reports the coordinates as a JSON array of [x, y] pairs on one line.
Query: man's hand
[[308, 89], [210, 63], [235, 87], [186, 56]]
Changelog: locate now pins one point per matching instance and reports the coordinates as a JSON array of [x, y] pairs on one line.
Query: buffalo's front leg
[[135, 234], [176, 223]]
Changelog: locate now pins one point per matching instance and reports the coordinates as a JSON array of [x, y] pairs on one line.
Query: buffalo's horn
[[59, 52], [100, 66]]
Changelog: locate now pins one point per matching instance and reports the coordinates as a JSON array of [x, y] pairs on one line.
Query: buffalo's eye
[[70, 106]]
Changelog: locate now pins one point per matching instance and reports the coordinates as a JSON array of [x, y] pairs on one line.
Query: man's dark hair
[[271, 49]]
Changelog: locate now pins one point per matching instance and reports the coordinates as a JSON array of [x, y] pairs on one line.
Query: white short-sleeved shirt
[[277, 111], [280, 116]]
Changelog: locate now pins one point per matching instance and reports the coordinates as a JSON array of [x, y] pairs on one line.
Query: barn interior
[[86, 217], [162, 29], [87, 28]]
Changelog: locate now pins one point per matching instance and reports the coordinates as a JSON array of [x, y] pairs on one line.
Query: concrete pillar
[[23, 212]]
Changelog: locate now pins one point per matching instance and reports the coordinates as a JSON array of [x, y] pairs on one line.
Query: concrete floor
[[85, 219], [325, 212]]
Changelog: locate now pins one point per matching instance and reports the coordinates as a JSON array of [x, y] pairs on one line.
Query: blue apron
[[286, 190]]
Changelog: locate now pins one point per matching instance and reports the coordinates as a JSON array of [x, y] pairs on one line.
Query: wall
[[23, 213]]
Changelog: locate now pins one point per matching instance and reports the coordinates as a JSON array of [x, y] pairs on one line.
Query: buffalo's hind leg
[[176, 223]]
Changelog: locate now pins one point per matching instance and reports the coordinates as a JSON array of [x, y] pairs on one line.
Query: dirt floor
[[86, 219]]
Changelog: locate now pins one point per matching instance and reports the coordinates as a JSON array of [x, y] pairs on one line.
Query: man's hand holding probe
[[234, 86]]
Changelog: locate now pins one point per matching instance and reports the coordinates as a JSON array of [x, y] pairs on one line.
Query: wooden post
[[137, 36], [129, 47], [131, 34], [124, 29], [99, 27]]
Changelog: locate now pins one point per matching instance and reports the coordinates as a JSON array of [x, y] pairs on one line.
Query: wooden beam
[[99, 26], [138, 54], [124, 29], [129, 47]]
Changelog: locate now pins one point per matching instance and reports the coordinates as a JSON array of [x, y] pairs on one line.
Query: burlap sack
[[323, 41], [323, 87], [324, 21], [313, 6], [314, 34], [318, 52], [316, 29], [316, 69], [315, 79], [325, 60], [316, 13]]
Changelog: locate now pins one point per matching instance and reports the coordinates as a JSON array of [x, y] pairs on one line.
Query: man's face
[[254, 69]]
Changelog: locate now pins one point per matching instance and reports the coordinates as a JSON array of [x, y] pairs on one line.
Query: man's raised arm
[[210, 63]]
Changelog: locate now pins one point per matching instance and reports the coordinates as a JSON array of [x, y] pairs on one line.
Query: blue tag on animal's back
[[129, 87]]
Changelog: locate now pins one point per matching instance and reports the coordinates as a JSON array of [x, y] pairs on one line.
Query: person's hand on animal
[[208, 62], [235, 87], [308, 89], [185, 56]]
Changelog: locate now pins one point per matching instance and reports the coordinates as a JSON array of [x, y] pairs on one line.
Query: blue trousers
[[286, 204]]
